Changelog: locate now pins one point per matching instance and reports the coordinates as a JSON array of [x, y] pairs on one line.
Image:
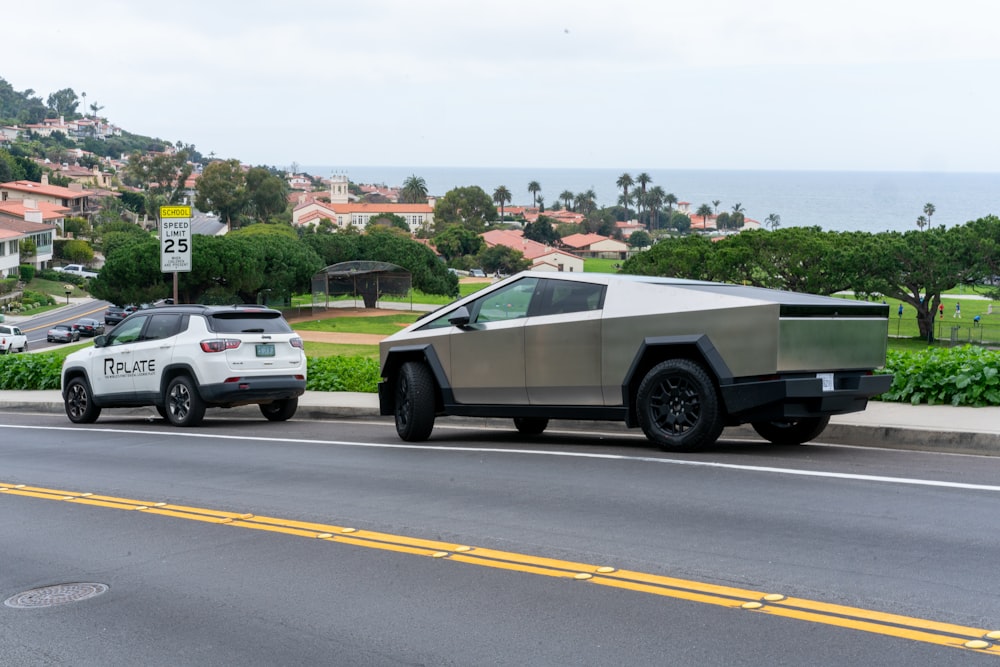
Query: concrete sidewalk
[[939, 428]]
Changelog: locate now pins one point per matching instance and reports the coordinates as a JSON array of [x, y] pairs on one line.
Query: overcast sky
[[910, 85]]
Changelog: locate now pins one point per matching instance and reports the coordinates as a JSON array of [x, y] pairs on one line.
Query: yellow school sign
[[175, 239]]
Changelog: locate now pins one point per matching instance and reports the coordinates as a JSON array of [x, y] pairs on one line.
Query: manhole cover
[[50, 596]]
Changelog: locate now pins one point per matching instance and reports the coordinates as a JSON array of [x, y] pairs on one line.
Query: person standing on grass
[[958, 309]]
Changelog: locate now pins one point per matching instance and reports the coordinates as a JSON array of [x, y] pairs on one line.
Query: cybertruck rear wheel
[[791, 431], [678, 406]]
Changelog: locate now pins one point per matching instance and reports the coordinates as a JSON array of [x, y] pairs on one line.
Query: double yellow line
[[854, 618]]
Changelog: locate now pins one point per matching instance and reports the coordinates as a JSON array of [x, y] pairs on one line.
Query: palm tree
[[670, 199], [643, 180], [704, 211], [773, 220], [586, 202], [738, 208], [715, 204], [922, 222], [654, 200], [567, 197], [501, 196], [625, 182], [414, 190], [929, 211], [534, 188]]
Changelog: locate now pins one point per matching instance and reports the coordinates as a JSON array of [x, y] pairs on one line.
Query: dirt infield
[[344, 338]]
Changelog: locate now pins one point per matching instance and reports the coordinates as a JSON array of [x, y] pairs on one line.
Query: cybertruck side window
[[509, 302]]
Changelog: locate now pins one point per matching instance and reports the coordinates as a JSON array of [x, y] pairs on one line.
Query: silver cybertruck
[[680, 359]]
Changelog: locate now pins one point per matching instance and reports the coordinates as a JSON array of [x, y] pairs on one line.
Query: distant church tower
[[339, 193]]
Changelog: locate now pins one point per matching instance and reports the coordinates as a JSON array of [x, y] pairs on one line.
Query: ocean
[[833, 200]]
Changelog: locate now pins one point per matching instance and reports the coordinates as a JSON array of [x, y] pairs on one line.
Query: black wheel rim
[[77, 401], [675, 405], [180, 402]]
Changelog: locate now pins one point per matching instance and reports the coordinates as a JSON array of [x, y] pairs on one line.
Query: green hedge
[[28, 372], [966, 375], [343, 374]]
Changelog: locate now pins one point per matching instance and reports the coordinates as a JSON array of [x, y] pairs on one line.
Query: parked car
[[89, 327], [183, 359], [115, 314], [477, 273], [76, 270], [680, 359], [12, 339], [62, 333]]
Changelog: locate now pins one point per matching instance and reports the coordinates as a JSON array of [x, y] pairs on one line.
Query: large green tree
[[503, 259], [541, 230], [163, 176], [267, 193], [457, 242], [468, 206], [64, 102], [222, 189], [918, 267]]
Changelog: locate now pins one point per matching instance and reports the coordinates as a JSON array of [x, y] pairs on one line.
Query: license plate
[[827, 379], [265, 349]]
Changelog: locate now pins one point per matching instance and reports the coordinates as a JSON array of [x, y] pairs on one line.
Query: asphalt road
[[37, 327], [251, 543]]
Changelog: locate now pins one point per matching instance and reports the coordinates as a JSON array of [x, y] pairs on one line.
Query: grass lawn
[[988, 330], [601, 265], [382, 325], [341, 350]]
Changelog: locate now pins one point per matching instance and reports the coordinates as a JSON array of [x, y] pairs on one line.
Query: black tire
[[280, 411], [79, 402], [791, 431], [678, 406], [160, 410], [414, 402], [184, 404], [531, 425]]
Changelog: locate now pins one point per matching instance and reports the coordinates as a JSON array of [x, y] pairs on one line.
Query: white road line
[[533, 452]]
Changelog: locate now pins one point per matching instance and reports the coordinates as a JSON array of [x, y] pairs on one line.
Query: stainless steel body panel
[[563, 359], [487, 363], [826, 344]]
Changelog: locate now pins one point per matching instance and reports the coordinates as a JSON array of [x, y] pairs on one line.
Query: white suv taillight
[[219, 344], [295, 341]]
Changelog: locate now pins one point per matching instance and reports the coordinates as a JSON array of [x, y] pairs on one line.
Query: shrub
[[960, 376], [343, 374], [27, 372], [27, 273]]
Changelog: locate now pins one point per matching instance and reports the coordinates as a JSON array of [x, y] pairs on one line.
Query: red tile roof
[[47, 190], [16, 207]]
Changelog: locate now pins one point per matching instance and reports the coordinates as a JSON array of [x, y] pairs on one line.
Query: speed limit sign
[[175, 238]]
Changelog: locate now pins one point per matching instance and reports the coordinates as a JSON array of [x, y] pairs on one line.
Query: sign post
[[175, 241]]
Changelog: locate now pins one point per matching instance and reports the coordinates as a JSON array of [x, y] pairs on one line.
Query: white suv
[[182, 359]]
